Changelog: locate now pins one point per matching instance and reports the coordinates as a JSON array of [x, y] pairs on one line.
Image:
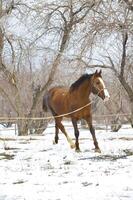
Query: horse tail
[[45, 105]]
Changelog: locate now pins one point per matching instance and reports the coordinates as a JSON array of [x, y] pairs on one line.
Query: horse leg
[[56, 133], [92, 130], [61, 127], [76, 132], [56, 127]]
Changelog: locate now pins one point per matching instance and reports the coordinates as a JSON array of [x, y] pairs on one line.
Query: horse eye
[[98, 82]]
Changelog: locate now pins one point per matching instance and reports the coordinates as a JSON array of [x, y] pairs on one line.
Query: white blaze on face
[[106, 93]]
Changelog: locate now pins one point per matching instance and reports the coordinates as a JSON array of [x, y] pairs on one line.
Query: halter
[[107, 96]]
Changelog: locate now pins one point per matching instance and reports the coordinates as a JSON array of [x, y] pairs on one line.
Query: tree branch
[[8, 98], [12, 49], [129, 4], [123, 60], [84, 15]]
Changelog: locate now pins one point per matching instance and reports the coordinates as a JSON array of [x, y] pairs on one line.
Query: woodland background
[[52, 42]]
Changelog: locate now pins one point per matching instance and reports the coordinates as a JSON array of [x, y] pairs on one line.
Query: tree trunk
[[38, 127], [115, 124], [22, 127], [131, 119], [129, 91], [83, 123]]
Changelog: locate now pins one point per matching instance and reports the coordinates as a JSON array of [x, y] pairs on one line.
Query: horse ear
[[96, 72], [100, 72]]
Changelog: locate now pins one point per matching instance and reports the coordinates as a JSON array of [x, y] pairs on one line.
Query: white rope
[[45, 118], [12, 119], [50, 117]]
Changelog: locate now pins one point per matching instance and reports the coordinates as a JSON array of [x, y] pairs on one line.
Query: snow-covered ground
[[32, 168]]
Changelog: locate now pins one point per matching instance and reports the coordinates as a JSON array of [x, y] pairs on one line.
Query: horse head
[[98, 86]]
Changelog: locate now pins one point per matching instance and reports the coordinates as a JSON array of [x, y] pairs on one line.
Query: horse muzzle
[[106, 99], [106, 94]]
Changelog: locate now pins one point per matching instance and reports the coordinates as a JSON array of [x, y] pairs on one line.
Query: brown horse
[[60, 100]]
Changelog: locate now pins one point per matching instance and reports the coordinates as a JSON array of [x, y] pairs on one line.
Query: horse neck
[[85, 89]]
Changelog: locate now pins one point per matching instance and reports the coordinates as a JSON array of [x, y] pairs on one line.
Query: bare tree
[[112, 27], [58, 19], [49, 36]]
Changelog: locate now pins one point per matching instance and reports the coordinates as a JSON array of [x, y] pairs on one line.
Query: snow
[[32, 168]]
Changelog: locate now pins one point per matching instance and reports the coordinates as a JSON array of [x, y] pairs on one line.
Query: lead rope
[[81, 108], [45, 118], [53, 117]]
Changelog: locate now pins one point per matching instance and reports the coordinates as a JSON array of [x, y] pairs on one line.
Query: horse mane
[[77, 83]]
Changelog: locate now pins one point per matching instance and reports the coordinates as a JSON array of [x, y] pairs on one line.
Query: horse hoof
[[55, 142], [78, 150], [72, 146], [97, 150]]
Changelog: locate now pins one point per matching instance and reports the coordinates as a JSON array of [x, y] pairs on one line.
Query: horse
[[68, 101]]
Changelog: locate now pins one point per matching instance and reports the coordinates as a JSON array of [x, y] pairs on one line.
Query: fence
[[99, 121]]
